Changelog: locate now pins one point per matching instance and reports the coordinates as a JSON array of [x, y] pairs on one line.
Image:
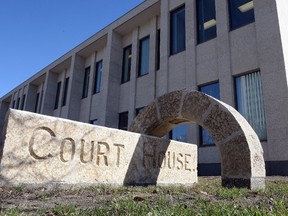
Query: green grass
[[205, 198]]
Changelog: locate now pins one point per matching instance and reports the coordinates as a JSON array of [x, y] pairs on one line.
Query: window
[[23, 102], [94, 122], [57, 95], [143, 68], [13, 104], [37, 101], [18, 103], [249, 102], [126, 65], [206, 20], [158, 49], [241, 13], [180, 133], [41, 99], [214, 91], [98, 75], [139, 110], [123, 121], [86, 82], [177, 30], [66, 85]]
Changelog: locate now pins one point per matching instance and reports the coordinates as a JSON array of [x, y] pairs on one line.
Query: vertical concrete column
[[111, 80], [223, 53], [75, 87], [91, 85], [31, 98], [152, 53], [272, 33], [163, 73], [190, 71], [134, 75], [49, 96]]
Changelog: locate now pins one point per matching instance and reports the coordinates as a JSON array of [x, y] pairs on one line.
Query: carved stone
[[39, 149], [240, 149]]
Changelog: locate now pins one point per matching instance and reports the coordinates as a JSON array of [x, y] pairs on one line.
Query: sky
[[34, 33]]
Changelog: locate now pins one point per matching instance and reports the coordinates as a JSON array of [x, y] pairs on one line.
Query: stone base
[[256, 183]]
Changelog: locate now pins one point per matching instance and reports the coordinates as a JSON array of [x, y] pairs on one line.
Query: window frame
[[86, 82], [125, 78], [232, 16], [236, 99], [57, 98], [200, 10], [175, 47], [65, 93], [141, 56], [201, 144], [126, 113], [98, 77]]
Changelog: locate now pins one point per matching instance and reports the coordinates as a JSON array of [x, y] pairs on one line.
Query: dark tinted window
[[144, 56], [126, 65], [241, 13], [214, 91], [177, 30], [206, 20]]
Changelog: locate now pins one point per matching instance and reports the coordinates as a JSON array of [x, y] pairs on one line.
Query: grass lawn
[[205, 198]]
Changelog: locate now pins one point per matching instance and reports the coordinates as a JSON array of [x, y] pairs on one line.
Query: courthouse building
[[234, 50]]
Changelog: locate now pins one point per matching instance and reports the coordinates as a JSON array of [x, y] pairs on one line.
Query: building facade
[[234, 50]]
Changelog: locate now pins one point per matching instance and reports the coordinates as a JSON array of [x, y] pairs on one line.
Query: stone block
[[45, 150]]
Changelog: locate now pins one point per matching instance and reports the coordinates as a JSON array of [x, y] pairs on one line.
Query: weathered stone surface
[[240, 149], [39, 150]]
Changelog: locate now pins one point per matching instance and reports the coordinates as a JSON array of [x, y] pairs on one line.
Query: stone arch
[[242, 161]]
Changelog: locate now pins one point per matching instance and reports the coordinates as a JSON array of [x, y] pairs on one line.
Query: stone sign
[[38, 149]]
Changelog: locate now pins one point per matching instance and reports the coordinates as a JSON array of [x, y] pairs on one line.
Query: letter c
[[31, 143]]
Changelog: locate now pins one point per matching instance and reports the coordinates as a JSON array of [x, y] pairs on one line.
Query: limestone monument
[[242, 161], [38, 149]]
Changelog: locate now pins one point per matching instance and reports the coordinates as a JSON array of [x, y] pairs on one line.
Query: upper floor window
[[158, 36], [177, 30], [36, 108], [241, 13], [249, 102], [86, 82], [66, 85], [143, 68], [23, 102], [57, 95], [126, 64], [98, 75], [214, 91], [18, 103], [206, 20], [13, 104]]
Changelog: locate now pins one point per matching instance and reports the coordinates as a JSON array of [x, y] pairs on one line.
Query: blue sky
[[34, 33]]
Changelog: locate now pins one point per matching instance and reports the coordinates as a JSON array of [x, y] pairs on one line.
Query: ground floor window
[[214, 91], [249, 102], [123, 121], [180, 133]]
